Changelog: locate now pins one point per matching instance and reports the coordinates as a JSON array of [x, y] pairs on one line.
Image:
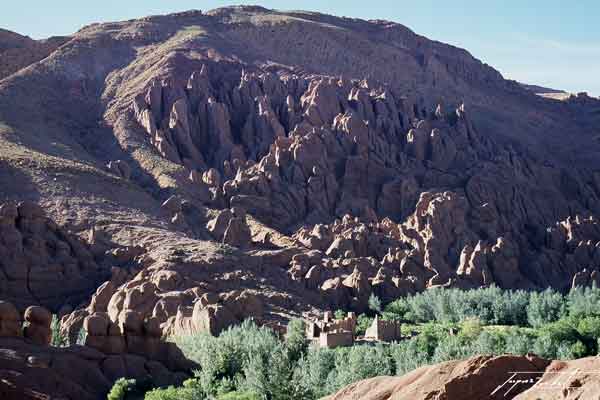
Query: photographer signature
[[542, 380]]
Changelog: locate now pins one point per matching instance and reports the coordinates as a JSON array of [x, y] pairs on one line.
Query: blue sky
[[546, 42]]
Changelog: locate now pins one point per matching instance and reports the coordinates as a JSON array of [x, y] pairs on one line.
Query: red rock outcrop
[[342, 152], [32, 369], [40, 262], [485, 377], [475, 378], [568, 380], [37, 325]]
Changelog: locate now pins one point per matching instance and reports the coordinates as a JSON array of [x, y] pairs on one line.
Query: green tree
[[58, 338], [397, 309], [360, 362], [471, 328], [589, 329], [120, 389], [363, 322], [269, 377], [545, 307], [189, 391], [584, 302], [489, 343], [237, 396], [375, 304], [312, 373], [519, 342], [295, 339], [407, 356]]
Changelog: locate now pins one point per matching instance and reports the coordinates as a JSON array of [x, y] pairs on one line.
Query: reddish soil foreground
[[484, 377]]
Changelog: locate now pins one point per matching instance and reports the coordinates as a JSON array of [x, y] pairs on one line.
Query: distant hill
[[547, 92], [17, 51], [540, 89]]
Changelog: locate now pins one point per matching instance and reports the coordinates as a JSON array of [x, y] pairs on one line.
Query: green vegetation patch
[[248, 362]]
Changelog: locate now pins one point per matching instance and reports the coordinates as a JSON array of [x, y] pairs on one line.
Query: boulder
[[237, 233], [37, 325], [120, 168], [10, 321]]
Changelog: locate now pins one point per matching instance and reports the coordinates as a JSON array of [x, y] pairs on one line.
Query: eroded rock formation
[[209, 163], [340, 147], [41, 263], [32, 369]]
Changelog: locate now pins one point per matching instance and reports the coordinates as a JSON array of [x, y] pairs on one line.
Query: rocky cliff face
[[249, 162], [40, 262]]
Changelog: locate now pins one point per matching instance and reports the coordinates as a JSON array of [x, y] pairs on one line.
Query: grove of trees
[[252, 363]]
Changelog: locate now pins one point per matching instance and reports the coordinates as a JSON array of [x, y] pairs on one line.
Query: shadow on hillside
[[15, 184]]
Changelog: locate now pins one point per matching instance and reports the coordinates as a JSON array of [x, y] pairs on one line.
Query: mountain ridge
[[367, 160]]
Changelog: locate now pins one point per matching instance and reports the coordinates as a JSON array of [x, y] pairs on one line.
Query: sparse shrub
[[471, 328], [238, 396], [58, 338], [363, 322], [189, 391], [61, 340], [81, 336], [375, 304], [120, 389]]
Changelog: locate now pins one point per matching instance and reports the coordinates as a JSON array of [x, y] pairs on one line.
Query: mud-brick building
[[383, 331], [330, 332]]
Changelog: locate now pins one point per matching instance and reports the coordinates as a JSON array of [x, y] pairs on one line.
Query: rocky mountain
[[18, 52], [205, 167]]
